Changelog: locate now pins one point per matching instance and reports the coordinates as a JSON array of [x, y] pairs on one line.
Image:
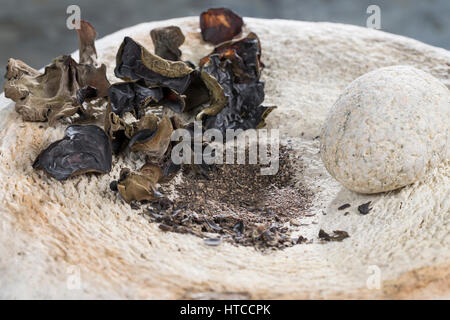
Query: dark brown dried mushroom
[[140, 186], [62, 88], [86, 40], [132, 96], [219, 25], [337, 235], [121, 131], [242, 106], [154, 143], [245, 57], [197, 93], [365, 208], [134, 62], [217, 95], [234, 70], [83, 149], [167, 41]]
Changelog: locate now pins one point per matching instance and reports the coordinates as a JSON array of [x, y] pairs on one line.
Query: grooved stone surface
[[53, 233]]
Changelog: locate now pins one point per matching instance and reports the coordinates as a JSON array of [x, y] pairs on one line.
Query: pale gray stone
[[387, 129]]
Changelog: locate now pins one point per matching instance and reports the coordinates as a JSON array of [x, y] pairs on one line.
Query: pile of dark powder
[[237, 204]]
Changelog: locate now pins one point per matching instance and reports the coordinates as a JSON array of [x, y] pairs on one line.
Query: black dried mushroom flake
[[83, 149], [337, 235], [244, 55], [241, 108], [365, 208], [167, 41], [130, 96], [134, 62], [219, 25], [344, 206]]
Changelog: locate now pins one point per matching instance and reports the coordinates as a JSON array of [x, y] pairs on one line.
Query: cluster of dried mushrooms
[[224, 91]]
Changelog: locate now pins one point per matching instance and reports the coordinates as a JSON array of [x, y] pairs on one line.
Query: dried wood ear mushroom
[[120, 131], [134, 62], [232, 73], [62, 88], [132, 96], [167, 41], [52, 95], [139, 186], [245, 57], [153, 143], [83, 149], [219, 25], [86, 40]]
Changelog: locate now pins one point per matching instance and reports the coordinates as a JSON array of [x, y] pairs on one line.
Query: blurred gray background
[[35, 30]]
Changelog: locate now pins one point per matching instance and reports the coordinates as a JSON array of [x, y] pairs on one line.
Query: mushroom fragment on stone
[[139, 186], [134, 62], [120, 130], [86, 40], [167, 41], [245, 57], [219, 25], [83, 149], [153, 143]]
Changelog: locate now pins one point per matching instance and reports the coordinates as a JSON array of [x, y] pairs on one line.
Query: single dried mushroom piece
[[140, 186], [218, 99], [86, 40], [120, 131], [134, 62], [154, 143], [337, 235], [83, 149], [167, 41], [219, 25], [52, 95], [245, 57]]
